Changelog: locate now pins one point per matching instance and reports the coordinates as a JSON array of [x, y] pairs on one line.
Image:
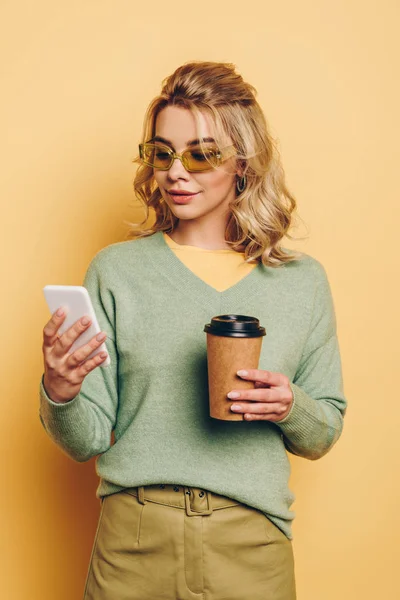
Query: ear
[[240, 168]]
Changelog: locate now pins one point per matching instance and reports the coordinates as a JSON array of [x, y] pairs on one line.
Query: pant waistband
[[195, 501]]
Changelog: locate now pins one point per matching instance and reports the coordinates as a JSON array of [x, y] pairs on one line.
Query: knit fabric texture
[[154, 394]]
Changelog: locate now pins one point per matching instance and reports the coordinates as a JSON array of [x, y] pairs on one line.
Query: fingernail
[[233, 395], [244, 373], [236, 407], [101, 336], [60, 312]]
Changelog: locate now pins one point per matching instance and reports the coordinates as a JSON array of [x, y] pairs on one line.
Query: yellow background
[[76, 79]]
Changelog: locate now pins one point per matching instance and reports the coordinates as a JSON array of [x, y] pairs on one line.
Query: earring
[[241, 184]]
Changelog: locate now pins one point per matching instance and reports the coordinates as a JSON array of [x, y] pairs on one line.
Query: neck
[[199, 241], [207, 237]]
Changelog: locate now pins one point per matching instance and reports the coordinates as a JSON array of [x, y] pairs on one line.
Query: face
[[213, 189]]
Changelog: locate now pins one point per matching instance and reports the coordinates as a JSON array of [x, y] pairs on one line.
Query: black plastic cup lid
[[235, 326]]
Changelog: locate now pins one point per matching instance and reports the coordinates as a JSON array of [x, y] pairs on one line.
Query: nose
[[177, 170]]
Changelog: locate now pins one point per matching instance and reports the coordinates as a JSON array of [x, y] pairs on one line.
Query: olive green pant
[[166, 542]]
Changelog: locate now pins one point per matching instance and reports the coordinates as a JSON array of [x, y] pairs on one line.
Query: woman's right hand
[[63, 372]]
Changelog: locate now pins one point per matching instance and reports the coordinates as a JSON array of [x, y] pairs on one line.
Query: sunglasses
[[194, 159]]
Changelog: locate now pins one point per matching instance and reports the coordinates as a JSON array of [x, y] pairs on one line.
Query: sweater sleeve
[[82, 427], [315, 421]]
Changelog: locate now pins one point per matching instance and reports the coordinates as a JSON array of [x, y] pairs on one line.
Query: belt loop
[[141, 495], [209, 503]]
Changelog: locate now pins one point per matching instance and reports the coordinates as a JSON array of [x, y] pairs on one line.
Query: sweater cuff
[[61, 413], [301, 414]]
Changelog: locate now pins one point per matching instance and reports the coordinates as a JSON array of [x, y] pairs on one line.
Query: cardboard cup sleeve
[[226, 356]]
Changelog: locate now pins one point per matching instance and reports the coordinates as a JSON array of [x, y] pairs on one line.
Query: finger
[[64, 342], [75, 376], [267, 377], [76, 358], [259, 395], [260, 384], [258, 408], [273, 417], [51, 328], [90, 364]]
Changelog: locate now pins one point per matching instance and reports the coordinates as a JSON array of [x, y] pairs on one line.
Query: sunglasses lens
[[199, 160], [156, 156]]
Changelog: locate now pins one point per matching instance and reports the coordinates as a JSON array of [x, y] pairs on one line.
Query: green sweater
[[154, 395]]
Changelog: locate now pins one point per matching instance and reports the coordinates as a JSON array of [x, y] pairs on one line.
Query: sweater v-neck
[[171, 267]]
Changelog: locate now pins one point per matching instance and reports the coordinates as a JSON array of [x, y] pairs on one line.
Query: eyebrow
[[158, 138]]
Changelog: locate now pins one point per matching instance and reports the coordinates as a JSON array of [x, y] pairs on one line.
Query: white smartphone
[[77, 302]]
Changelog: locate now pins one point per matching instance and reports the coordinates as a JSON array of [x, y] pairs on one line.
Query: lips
[[181, 192], [181, 196]]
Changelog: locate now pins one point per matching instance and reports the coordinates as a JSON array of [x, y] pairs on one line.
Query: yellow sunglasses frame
[[221, 155]]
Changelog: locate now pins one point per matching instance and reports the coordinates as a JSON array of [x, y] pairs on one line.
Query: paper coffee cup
[[233, 343]]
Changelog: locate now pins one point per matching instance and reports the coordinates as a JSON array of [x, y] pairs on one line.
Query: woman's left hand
[[270, 401]]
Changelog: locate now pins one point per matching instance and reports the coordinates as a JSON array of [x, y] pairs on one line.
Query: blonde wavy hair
[[260, 215]]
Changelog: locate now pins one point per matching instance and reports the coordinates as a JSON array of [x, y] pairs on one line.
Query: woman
[[193, 506]]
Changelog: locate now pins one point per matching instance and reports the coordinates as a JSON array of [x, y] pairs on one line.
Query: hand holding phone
[[70, 348]]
